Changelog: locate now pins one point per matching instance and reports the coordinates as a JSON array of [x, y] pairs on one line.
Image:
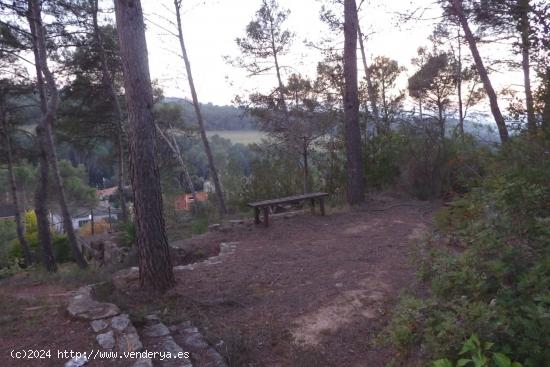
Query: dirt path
[[307, 291]]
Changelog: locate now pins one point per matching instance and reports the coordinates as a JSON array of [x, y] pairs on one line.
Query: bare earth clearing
[[307, 291]]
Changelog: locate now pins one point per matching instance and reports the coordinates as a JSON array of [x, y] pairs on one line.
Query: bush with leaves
[[60, 243], [7, 235], [498, 285], [477, 354]]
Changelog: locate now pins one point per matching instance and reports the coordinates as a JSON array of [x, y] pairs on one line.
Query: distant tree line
[[216, 117]]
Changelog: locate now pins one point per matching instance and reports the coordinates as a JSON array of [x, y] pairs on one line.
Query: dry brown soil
[[306, 291]]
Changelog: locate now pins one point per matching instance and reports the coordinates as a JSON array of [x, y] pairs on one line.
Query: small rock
[[213, 262], [169, 345], [181, 327], [143, 362], [214, 358], [113, 253], [77, 362], [125, 278], [195, 341], [99, 325], [152, 319], [184, 267], [106, 340], [129, 342], [190, 330], [214, 227], [83, 306], [236, 221], [156, 331], [120, 323]]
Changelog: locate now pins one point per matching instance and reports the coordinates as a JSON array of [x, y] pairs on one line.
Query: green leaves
[[478, 353], [442, 363], [501, 360]]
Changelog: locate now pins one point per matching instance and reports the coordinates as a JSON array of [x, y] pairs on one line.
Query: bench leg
[[266, 216], [312, 206], [322, 206], [256, 215]]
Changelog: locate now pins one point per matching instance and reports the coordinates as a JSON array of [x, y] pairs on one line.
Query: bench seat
[[265, 205]]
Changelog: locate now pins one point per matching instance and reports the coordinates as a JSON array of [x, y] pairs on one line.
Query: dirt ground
[[309, 290], [306, 291], [33, 318]]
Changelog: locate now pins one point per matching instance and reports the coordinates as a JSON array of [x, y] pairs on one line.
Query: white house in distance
[[81, 216]]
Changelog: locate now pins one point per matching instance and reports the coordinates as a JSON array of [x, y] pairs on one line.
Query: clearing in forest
[[306, 291]]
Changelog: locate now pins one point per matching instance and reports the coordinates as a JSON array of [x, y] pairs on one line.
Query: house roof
[[107, 192], [7, 210]]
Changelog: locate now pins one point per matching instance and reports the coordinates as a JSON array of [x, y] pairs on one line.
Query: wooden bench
[[267, 204]]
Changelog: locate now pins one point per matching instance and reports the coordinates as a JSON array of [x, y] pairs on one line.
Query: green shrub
[[60, 245], [199, 226], [128, 235], [62, 249], [7, 235], [477, 354], [499, 286]]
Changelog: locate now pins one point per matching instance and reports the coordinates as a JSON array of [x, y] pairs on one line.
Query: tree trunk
[[46, 123], [41, 211], [306, 165], [370, 87], [155, 265], [15, 197], [41, 194], [441, 118], [211, 164], [174, 147], [355, 183], [109, 85], [526, 64], [459, 87], [493, 101], [546, 98]]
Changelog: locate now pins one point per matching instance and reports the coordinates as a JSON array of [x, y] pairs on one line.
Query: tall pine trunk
[[355, 183], [198, 112], [305, 157], [493, 101], [526, 64], [459, 87], [370, 87], [47, 120], [20, 226], [546, 99], [41, 193], [155, 265], [108, 83]]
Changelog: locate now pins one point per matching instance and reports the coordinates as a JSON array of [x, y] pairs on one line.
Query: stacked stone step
[[157, 338], [114, 330], [182, 337]]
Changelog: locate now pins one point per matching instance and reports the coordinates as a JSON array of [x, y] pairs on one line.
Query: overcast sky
[[211, 26]]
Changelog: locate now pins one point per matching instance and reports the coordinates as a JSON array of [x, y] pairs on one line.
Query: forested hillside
[[216, 117]]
